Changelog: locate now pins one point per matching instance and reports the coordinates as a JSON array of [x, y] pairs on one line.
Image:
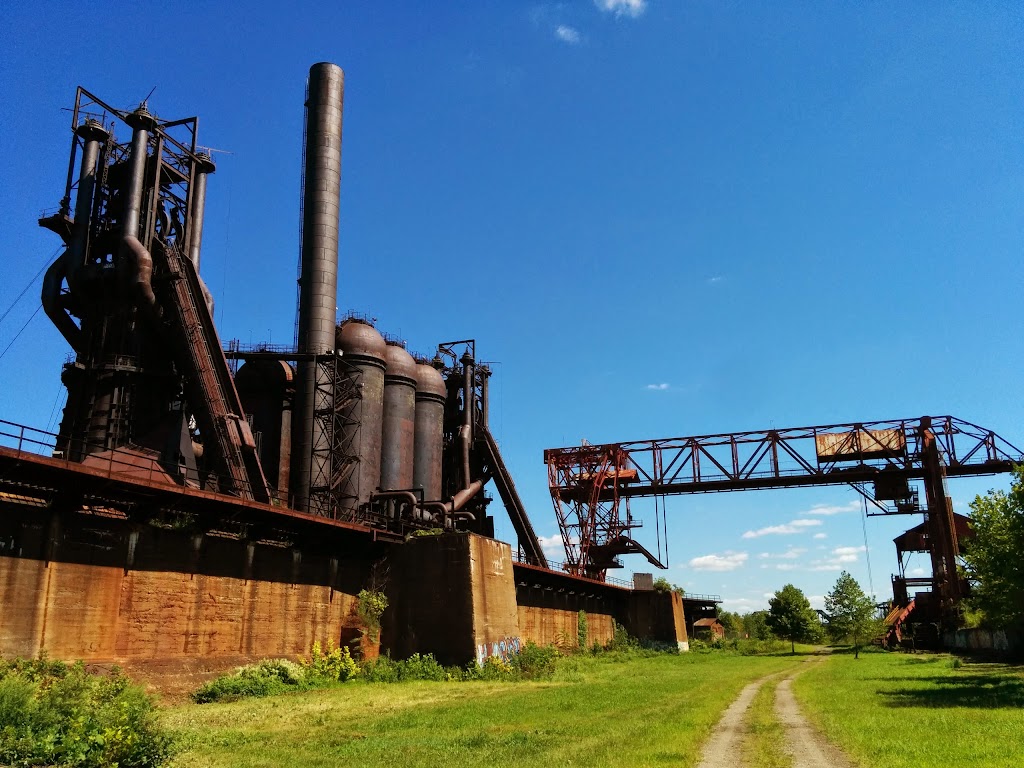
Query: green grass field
[[918, 711], [596, 712]]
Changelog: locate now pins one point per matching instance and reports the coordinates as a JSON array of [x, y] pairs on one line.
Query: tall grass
[[611, 710], [918, 711]]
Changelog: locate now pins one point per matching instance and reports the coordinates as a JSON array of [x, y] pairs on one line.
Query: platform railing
[[113, 462]]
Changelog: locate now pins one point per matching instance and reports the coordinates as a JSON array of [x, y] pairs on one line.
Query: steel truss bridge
[[591, 485]]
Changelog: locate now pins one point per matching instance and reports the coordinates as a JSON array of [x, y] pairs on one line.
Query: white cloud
[[567, 34], [715, 279], [658, 387], [844, 551], [729, 561], [820, 536], [828, 510], [786, 566], [918, 572], [817, 602], [840, 558], [790, 554], [793, 526], [552, 547], [630, 8], [744, 604]]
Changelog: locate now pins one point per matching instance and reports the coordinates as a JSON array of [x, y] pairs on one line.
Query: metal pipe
[[408, 496], [143, 262], [454, 507], [204, 167], [485, 396], [466, 430], [50, 296], [318, 277], [141, 122], [93, 134]]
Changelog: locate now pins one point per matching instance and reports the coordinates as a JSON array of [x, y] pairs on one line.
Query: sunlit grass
[[597, 712], [918, 711], [764, 745]]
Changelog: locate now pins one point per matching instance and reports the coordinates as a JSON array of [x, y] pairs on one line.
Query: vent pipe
[[318, 272]]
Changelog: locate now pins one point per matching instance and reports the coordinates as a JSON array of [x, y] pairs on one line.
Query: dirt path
[[804, 744], [806, 747], [725, 747]]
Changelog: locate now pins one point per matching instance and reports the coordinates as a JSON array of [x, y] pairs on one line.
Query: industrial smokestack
[[318, 275]]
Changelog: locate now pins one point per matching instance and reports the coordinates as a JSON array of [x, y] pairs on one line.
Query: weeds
[[53, 713]]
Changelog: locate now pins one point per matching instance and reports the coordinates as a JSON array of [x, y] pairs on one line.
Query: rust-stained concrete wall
[[555, 626], [94, 612], [453, 596], [657, 616], [102, 589]]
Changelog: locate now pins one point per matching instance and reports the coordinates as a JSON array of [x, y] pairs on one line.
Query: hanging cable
[[31, 282], [664, 526], [20, 331], [867, 552], [657, 526], [53, 410]]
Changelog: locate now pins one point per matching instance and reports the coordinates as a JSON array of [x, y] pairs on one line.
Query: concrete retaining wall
[[996, 640], [103, 613]]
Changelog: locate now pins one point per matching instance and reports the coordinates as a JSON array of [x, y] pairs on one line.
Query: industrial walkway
[[803, 744]]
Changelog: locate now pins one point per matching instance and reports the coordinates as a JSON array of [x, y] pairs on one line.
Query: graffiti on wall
[[503, 649]]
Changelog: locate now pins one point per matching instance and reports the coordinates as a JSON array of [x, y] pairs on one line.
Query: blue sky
[[777, 214]]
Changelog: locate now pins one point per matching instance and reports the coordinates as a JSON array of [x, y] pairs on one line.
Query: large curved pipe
[[141, 122], [454, 507], [143, 262], [50, 297]]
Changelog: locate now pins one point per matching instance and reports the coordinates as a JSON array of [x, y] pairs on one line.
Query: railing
[[113, 462], [564, 568]]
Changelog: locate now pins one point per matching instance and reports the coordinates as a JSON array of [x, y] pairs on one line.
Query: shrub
[[55, 714], [336, 664], [416, 667], [534, 662], [370, 606], [265, 678], [582, 630]]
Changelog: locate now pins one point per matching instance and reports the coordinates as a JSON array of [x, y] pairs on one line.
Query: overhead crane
[[591, 485]]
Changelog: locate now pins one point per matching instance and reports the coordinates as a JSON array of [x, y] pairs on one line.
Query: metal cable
[[30, 283], [20, 331], [53, 410], [867, 551]]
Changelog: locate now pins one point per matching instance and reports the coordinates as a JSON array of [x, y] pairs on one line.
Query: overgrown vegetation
[[370, 606], [661, 584], [662, 705], [582, 629], [325, 668], [58, 714]]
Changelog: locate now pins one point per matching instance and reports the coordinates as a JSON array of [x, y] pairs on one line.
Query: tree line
[[850, 616]]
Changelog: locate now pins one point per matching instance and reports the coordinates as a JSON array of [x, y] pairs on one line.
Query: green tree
[[790, 616], [993, 556], [756, 625], [732, 622], [851, 613], [661, 584]]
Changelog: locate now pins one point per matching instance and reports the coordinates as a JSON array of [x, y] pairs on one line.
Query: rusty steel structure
[[128, 273], [345, 425], [591, 485]]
